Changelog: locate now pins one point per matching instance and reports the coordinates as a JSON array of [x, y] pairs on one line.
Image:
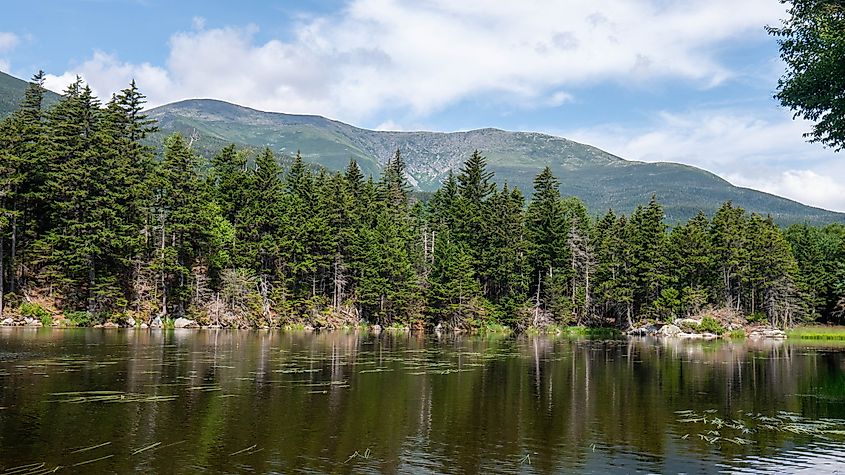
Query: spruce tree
[[546, 229]]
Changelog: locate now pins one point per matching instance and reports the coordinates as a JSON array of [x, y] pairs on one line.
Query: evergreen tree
[[504, 261], [454, 293], [648, 260], [728, 237], [394, 184], [691, 254], [546, 229], [772, 273], [191, 228]]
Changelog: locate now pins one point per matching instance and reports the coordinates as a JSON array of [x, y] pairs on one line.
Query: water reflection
[[234, 401]]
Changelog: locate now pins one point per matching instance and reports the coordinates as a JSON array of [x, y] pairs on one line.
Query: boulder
[[643, 331], [144, 326], [36, 323], [29, 320], [669, 330], [182, 322], [7, 322], [156, 323], [689, 325], [110, 325], [130, 322], [773, 333]]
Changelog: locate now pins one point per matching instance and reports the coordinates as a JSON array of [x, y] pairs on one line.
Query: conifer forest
[[94, 220]]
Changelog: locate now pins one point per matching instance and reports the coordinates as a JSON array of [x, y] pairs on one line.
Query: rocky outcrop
[[182, 322], [767, 332], [647, 330], [669, 330]]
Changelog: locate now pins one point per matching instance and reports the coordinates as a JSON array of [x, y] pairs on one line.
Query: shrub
[[79, 319], [758, 317], [711, 325], [33, 310]]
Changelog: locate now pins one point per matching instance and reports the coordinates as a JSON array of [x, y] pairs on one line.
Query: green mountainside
[[600, 179], [12, 91]]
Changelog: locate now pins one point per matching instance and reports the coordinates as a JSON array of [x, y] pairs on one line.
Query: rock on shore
[[182, 322]]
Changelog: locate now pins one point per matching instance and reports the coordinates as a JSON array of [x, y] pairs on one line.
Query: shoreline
[[750, 332]]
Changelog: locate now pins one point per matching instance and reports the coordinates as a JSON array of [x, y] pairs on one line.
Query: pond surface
[[124, 401]]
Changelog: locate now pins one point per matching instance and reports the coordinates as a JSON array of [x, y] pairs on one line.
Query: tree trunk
[[13, 276], [91, 279], [163, 279], [13, 250], [2, 273]]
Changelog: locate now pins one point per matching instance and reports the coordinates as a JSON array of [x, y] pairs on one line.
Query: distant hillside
[[12, 92], [600, 179]]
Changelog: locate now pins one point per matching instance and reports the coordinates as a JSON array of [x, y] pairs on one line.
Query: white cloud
[[198, 22], [805, 186], [8, 41], [411, 58], [106, 75], [390, 126], [763, 150]]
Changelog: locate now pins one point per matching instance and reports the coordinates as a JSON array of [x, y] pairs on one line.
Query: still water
[[135, 401]]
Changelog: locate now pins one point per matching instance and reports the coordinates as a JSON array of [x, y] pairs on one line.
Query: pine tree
[[190, 228], [691, 254], [728, 236], [614, 287], [25, 142], [546, 229], [504, 261], [770, 279], [258, 220], [75, 243], [649, 265], [454, 293], [475, 186], [394, 184]]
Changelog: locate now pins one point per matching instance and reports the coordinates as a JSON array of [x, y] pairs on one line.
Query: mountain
[[12, 91], [600, 179]]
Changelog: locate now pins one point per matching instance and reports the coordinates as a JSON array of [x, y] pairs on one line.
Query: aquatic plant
[[817, 332]]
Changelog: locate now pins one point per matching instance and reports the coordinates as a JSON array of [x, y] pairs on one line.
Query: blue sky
[[688, 81]]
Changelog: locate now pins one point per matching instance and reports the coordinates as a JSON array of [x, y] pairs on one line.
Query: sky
[[687, 81]]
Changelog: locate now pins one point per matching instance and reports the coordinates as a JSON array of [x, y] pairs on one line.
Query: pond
[[216, 401]]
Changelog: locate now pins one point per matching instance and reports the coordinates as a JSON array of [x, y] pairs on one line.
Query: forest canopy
[[95, 221]]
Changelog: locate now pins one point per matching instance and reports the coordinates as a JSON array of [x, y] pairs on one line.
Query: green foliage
[[79, 319], [757, 317], [812, 45], [33, 310], [710, 325], [817, 333], [599, 179], [261, 239]]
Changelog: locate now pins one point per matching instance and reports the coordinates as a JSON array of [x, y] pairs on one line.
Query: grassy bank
[[817, 332]]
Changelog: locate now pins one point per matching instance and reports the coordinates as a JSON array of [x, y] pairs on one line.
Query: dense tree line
[[91, 218]]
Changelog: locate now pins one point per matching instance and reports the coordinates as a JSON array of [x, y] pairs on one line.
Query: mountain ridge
[[601, 179]]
